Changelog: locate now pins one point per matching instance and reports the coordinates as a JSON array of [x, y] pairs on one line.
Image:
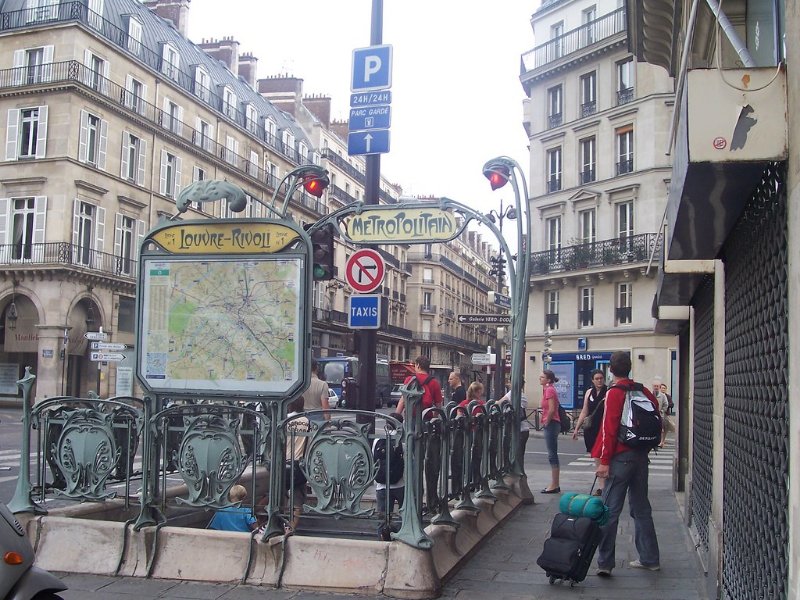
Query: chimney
[[225, 50], [174, 11], [284, 91], [320, 107], [247, 68]]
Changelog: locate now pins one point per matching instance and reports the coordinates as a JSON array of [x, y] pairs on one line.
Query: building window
[[126, 317], [231, 149], [427, 301], [170, 181], [251, 118], [288, 144], [551, 310], [135, 92], [203, 134], [624, 137], [554, 170], [133, 153], [625, 81], [96, 76], [586, 312], [588, 225], [134, 36], [229, 102], [588, 160], [588, 94], [93, 141], [170, 61], [26, 134], [33, 65], [553, 238], [124, 244], [271, 174], [588, 26], [427, 275], [556, 35], [202, 83], [554, 107], [88, 233], [625, 225], [41, 10], [624, 304], [271, 130], [172, 116], [96, 14], [27, 219]]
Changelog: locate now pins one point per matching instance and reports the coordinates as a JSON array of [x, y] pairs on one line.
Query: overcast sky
[[456, 95]]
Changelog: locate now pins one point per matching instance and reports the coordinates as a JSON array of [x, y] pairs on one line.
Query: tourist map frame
[[221, 325]]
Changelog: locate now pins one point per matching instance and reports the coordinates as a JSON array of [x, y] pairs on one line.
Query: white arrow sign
[[108, 346], [483, 359], [96, 335], [106, 356]]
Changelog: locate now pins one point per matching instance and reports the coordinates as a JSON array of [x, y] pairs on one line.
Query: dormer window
[[288, 143], [170, 61], [252, 118], [134, 36], [202, 83], [271, 129], [303, 149], [229, 102]]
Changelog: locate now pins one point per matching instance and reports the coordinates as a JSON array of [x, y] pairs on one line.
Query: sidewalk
[[503, 569]]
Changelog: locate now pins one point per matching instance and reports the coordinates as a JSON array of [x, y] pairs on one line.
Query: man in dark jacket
[[459, 392], [626, 471]]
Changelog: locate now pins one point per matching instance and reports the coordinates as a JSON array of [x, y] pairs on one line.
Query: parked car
[[395, 395], [333, 399]]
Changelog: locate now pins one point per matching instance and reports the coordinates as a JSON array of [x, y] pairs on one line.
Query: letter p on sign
[[372, 68]]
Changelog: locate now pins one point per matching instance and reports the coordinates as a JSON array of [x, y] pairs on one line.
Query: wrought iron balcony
[[588, 108], [58, 254], [605, 253], [586, 317], [555, 120], [427, 309], [587, 176], [553, 184], [572, 41], [624, 95], [625, 166], [551, 321], [624, 315]]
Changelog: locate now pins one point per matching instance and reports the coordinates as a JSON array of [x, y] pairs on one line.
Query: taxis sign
[[395, 225], [225, 238]]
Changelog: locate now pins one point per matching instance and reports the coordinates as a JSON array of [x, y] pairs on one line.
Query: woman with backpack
[[592, 413], [552, 427]]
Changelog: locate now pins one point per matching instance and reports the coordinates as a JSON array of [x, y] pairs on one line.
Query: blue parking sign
[[372, 68]]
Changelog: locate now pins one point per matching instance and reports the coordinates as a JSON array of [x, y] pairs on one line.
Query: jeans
[[395, 495], [551, 433], [628, 474]]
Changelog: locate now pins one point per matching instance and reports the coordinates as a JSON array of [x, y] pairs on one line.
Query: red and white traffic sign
[[365, 270]]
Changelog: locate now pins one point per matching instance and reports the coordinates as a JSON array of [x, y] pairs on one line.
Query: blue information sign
[[370, 98], [368, 142], [372, 68], [370, 117], [365, 311]]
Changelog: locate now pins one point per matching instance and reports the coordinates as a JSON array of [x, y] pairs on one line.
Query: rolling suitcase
[[568, 552]]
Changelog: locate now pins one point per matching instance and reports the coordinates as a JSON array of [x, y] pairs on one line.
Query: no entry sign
[[365, 270]]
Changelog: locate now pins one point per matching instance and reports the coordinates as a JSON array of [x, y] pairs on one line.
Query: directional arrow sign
[[375, 141], [106, 356], [96, 335], [108, 346], [485, 319], [483, 359], [500, 300]]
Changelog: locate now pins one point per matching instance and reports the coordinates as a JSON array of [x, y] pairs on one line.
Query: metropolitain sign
[[395, 225]]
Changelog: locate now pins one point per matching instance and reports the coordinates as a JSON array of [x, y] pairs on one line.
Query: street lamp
[[499, 171]]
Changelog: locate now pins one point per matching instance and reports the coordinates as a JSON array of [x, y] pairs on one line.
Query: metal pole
[[368, 338], [499, 369]]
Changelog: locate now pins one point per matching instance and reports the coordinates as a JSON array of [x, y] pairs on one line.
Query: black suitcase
[[568, 552]]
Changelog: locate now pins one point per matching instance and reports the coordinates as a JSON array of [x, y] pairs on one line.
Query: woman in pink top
[[552, 427]]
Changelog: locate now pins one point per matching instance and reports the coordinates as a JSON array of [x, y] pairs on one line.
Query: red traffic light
[[497, 175], [315, 185]]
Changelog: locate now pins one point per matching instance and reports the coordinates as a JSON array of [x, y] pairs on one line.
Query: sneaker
[[603, 572], [635, 564]]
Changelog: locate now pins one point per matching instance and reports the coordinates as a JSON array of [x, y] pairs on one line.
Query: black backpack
[[640, 425], [396, 463]]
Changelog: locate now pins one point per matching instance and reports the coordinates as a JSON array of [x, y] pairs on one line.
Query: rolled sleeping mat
[[584, 505]]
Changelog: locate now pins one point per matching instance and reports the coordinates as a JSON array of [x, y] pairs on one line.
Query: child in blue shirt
[[234, 518]]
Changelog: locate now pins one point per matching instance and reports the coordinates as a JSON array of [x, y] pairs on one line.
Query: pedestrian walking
[[552, 428], [459, 393], [591, 415]]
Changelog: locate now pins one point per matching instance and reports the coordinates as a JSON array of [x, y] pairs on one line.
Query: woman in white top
[[524, 426]]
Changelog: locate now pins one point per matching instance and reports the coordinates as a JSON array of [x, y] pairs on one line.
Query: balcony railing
[[625, 166], [591, 33], [62, 253], [427, 309], [588, 108], [586, 317], [555, 120], [587, 176], [554, 184], [624, 315], [624, 95], [551, 321], [605, 253]]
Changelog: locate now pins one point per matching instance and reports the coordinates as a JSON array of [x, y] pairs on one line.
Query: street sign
[[365, 312], [500, 300], [375, 141], [107, 346], [370, 117], [365, 270], [370, 98], [485, 319], [372, 68], [106, 356], [484, 359], [96, 335]]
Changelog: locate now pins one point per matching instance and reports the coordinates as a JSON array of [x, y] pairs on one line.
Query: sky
[[456, 95]]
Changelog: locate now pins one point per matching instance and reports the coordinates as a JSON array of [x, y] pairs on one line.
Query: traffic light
[[497, 175], [314, 184], [322, 253]]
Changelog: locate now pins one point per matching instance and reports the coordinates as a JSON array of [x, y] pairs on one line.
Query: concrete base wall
[[107, 547]]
